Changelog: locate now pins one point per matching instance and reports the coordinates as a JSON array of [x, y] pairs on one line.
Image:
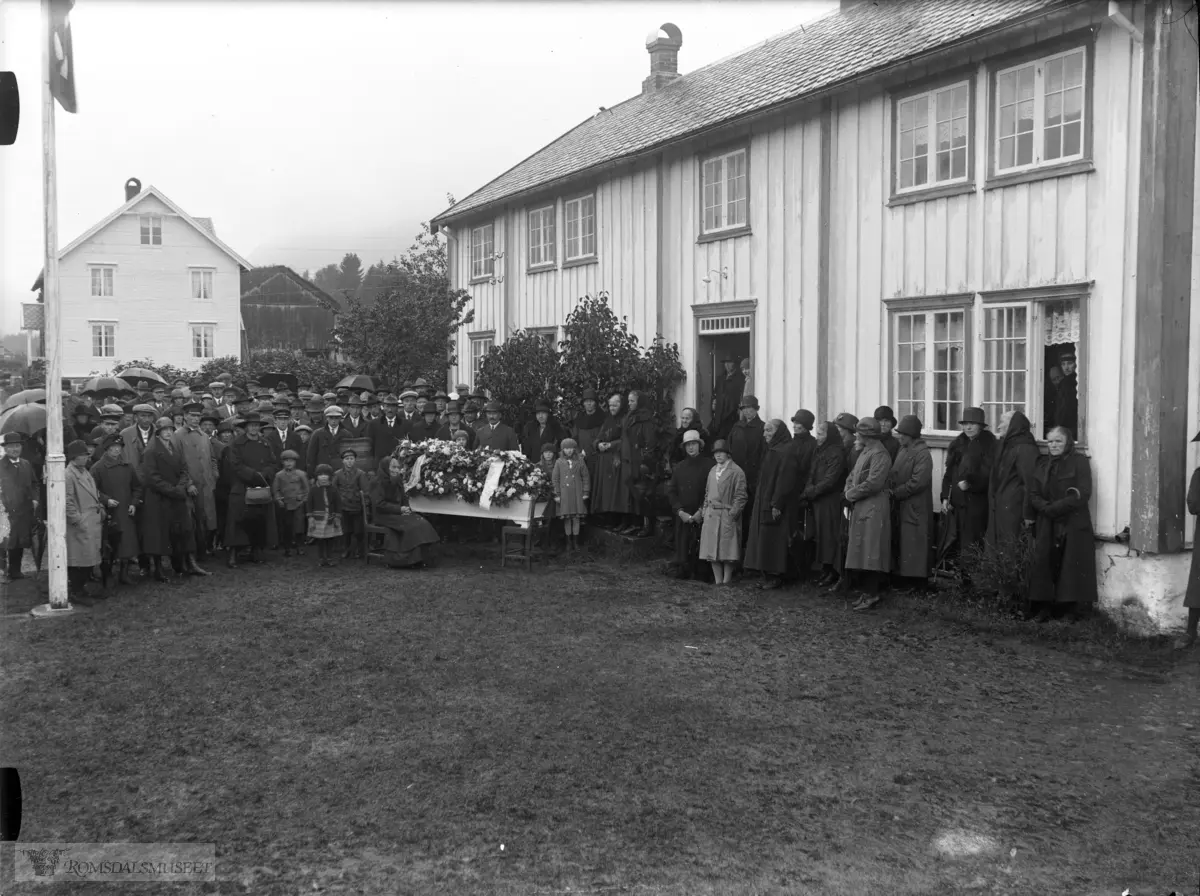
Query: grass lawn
[[364, 730]]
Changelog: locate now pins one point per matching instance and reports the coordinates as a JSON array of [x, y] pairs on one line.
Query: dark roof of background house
[[835, 48], [254, 278]]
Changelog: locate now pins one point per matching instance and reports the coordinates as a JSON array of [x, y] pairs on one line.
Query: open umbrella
[[27, 396], [274, 380], [28, 419], [132, 374], [107, 387], [358, 382]]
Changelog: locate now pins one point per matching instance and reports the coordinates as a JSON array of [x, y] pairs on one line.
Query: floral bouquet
[[441, 469]]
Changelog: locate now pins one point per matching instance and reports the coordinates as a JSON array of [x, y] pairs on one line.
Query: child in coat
[[351, 484], [572, 486], [290, 491], [324, 514]]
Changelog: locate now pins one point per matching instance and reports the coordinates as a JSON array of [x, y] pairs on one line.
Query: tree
[[378, 280], [408, 331], [350, 274], [327, 279], [522, 369]]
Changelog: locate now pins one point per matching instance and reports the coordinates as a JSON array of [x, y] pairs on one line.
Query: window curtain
[[1062, 323]]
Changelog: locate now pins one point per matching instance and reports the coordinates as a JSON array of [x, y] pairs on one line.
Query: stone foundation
[[1142, 592]]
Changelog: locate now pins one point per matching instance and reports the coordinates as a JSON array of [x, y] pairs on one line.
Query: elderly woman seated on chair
[[409, 534]]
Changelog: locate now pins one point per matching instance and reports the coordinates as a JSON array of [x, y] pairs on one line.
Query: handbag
[[257, 495]]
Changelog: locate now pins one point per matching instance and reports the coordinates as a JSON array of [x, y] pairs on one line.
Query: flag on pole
[[62, 59]]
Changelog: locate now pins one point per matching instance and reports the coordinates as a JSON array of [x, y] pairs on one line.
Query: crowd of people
[[171, 478]]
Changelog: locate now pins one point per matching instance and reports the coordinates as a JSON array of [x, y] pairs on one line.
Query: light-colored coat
[[911, 482], [196, 450], [572, 486], [724, 501], [870, 542], [85, 518]]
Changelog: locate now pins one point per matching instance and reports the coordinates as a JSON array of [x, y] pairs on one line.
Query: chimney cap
[[133, 186], [673, 35]]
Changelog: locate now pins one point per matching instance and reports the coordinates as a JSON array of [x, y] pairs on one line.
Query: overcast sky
[[307, 129]]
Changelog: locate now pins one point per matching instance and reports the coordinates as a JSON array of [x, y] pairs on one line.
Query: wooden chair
[[370, 529], [520, 542]]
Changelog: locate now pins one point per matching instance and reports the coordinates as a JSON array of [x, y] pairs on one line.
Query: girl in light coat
[[572, 486], [85, 518], [724, 501]]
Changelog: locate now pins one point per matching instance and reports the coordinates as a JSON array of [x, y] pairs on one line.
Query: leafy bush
[[999, 574], [520, 371]]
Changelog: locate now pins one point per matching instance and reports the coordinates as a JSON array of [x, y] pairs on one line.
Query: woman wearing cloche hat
[[869, 541], [685, 490], [911, 486], [968, 473], [725, 499], [85, 518]]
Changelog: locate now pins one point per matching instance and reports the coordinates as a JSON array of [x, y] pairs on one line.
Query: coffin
[[520, 511]]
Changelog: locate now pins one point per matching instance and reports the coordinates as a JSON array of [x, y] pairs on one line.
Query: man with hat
[[208, 423], [225, 408], [161, 402], [685, 491], [747, 447], [110, 425], [19, 495], [315, 412], [1066, 398], [371, 407], [495, 435], [325, 447], [804, 447], [168, 527], [296, 410], [252, 386], [887, 422], [426, 428], [117, 479], [85, 421], [453, 424], [869, 545], [281, 435], [195, 448], [773, 515], [177, 401], [911, 485], [968, 473], [411, 410], [355, 423], [217, 388], [329, 399], [471, 418], [440, 400], [727, 394], [386, 432]]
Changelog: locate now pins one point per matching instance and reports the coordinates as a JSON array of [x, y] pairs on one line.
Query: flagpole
[[56, 490]]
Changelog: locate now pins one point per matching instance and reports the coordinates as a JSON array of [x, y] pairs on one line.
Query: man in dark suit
[[282, 435], [356, 424], [496, 435], [19, 492], [325, 446], [386, 432], [410, 413]]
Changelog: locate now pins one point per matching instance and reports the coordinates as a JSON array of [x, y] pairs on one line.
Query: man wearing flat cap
[[727, 394], [495, 434], [386, 432], [281, 433], [195, 447], [19, 494], [110, 425], [325, 446]]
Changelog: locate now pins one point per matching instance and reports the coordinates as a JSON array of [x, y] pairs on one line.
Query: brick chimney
[[133, 186], [664, 56]]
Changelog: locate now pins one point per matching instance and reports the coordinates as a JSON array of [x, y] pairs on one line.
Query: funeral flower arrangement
[[444, 468]]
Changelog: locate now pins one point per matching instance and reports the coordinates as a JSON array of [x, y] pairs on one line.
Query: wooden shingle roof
[[834, 50]]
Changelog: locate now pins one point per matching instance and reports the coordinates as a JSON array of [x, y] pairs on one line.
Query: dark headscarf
[[584, 420], [782, 434], [1018, 427]]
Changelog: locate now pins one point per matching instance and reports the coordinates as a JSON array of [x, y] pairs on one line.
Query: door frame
[[711, 311]]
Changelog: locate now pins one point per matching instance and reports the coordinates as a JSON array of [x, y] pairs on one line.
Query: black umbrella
[[358, 382], [275, 380], [133, 374], [946, 543], [27, 419], [107, 387], [26, 396]]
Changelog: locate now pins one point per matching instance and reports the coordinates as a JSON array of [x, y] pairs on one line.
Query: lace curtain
[[1062, 323]]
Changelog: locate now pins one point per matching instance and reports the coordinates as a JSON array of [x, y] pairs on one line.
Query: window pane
[[1053, 108], [1053, 147], [1073, 104], [1006, 88], [1073, 69], [1025, 149], [906, 113], [943, 166], [1025, 83], [1072, 139], [921, 170], [958, 166], [1054, 75]]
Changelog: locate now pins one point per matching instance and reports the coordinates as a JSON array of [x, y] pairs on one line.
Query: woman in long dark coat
[[911, 484], [610, 493], [1191, 599], [689, 478], [639, 450], [689, 421], [773, 514], [540, 430], [1063, 576], [253, 462], [585, 429], [167, 528], [968, 474], [869, 547], [409, 535], [822, 500], [1009, 485]]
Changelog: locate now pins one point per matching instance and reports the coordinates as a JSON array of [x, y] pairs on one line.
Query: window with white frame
[[151, 230], [548, 335], [725, 190], [483, 251], [480, 346], [202, 283], [932, 132], [202, 340], [1039, 114], [104, 339], [102, 280], [541, 236], [1005, 360], [929, 373], [580, 217]]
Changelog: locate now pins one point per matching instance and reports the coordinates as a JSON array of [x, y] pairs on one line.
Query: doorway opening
[[713, 348]]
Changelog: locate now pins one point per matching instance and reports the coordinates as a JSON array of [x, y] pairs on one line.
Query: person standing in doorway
[[728, 392], [1066, 399]]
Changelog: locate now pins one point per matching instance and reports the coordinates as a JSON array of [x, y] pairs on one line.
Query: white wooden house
[[916, 204], [148, 282]]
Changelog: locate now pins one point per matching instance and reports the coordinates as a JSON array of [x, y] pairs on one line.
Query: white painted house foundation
[[1143, 593]]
